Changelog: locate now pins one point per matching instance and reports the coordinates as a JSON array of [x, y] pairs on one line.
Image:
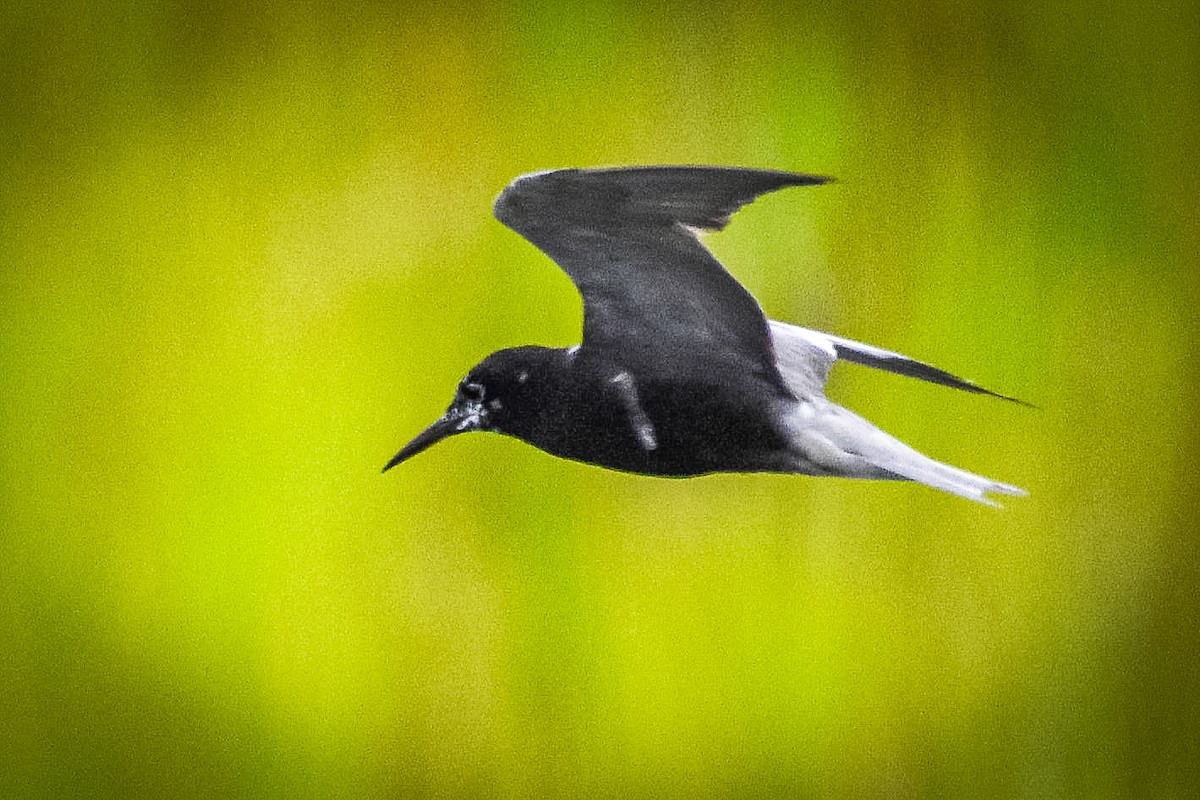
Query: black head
[[501, 393]]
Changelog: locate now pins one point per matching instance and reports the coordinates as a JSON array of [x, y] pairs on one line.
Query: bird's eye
[[471, 391]]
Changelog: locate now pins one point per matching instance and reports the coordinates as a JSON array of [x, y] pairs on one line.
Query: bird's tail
[[917, 467], [846, 444]]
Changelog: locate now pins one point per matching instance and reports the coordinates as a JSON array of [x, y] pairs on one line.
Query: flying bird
[[679, 373]]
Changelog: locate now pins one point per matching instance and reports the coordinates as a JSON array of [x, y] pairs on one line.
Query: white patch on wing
[[784, 331], [643, 428], [803, 357]]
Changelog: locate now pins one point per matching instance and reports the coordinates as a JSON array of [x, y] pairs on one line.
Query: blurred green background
[[246, 252]]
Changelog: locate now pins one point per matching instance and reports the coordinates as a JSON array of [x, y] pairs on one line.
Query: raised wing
[[654, 298], [805, 357]]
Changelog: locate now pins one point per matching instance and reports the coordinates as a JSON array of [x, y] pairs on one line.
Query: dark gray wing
[[654, 298], [805, 357]]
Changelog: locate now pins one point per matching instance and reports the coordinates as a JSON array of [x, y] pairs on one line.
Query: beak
[[457, 419]]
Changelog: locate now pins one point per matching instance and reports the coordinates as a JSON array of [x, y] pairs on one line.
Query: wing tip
[[900, 364], [814, 180], [1017, 400]]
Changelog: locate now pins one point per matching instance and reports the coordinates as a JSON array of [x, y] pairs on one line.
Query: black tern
[[679, 372]]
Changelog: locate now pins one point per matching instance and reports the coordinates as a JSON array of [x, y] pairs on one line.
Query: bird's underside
[[679, 372]]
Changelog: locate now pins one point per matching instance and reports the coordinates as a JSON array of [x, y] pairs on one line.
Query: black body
[[573, 405], [679, 372]]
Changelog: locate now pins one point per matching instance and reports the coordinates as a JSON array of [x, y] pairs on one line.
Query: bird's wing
[[805, 356], [654, 297]]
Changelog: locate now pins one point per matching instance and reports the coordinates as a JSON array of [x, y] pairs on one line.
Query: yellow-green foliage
[[246, 251]]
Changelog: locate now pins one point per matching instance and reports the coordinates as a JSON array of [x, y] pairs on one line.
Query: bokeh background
[[246, 251]]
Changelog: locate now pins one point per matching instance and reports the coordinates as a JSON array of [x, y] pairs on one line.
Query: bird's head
[[498, 394]]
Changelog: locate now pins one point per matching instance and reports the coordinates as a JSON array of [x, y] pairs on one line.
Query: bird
[[679, 373]]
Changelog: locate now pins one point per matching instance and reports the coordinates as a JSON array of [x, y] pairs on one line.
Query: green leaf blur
[[246, 251]]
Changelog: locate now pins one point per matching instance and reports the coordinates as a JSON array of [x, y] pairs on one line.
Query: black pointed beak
[[455, 420]]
